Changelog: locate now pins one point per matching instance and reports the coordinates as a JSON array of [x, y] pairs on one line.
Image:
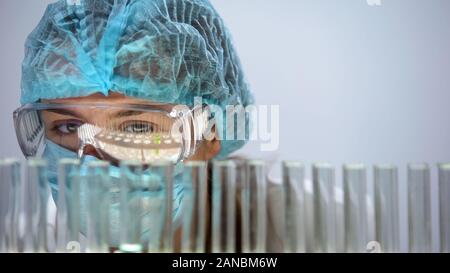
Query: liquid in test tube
[[356, 220], [258, 205], [37, 195], [10, 204], [419, 207], [99, 204], [68, 213], [325, 208], [223, 207], [444, 206], [194, 207], [161, 189], [386, 208], [132, 189], [296, 214]]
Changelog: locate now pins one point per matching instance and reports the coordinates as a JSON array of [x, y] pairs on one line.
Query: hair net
[[162, 50]]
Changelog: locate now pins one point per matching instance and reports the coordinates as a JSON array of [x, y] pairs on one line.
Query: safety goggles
[[114, 132]]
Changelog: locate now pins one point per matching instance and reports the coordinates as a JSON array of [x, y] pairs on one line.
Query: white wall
[[354, 82]]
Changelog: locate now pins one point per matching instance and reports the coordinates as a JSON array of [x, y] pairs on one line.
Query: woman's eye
[[138, 127], [68, 128]]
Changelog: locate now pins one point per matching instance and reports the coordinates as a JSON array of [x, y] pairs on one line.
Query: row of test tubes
[[95, 212], [224, 210], [327, 223]]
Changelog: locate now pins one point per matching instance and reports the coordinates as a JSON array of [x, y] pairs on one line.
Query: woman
[[96, 66]]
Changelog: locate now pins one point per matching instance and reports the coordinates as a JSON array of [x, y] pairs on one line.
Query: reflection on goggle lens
[[116, 133]]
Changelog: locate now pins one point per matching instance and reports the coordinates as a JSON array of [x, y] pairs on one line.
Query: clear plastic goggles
[[144, 133]]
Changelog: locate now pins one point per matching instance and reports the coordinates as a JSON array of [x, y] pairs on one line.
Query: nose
[[88, 150]]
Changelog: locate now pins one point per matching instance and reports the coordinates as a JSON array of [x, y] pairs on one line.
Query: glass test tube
[[10, 190], [68, 213], [160, 186], [258, 205], [194, 207], [419, 208], [324, 208], [386, 208], [37, 194], [132, 189], [355, 196], [444, 206], [243, 191], [223, 207], [296, 215], [97, 184]]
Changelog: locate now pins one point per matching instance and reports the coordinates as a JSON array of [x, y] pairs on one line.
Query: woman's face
[[61, 125]]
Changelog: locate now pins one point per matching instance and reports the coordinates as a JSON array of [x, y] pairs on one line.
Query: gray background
[[355, 83]]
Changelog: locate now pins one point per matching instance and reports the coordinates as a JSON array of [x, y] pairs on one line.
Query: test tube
[[68, 213], [10, 189], [258, 205], [386, 208], [356, 220], [97, 184], [224, 207], [324, 208], [194, 207], [444, 206], [243, 191], [160, 187], [419, 204], [296, 215], [132, 191], [37, 194]]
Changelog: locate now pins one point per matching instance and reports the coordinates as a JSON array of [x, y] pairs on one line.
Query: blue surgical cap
[[166, 51]]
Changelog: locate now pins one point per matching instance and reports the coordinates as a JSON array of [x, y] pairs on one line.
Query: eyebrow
[[64, 112], [127, 113], [120, 114]]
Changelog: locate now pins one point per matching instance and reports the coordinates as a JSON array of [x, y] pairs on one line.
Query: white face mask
[[152, 206]]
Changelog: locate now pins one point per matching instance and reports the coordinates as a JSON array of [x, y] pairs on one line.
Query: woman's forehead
[[112, 98]]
